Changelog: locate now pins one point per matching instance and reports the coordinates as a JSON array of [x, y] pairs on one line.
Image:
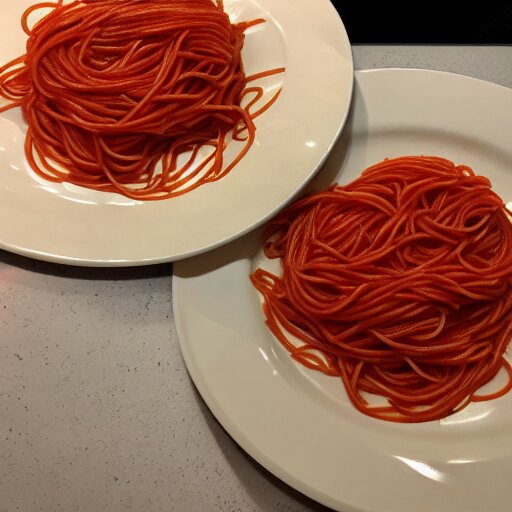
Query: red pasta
[[400, 283], [135, 97]]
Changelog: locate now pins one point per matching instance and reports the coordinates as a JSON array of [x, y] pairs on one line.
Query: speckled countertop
[[97, 412]]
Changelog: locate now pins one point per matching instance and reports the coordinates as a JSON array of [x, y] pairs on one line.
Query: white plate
[[68, 224], [298, 423]]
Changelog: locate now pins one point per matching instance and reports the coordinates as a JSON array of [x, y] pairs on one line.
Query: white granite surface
[[492, 63], [97, 412]]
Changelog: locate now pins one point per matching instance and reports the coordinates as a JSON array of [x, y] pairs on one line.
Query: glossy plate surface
[[68, 224], [299, 424]]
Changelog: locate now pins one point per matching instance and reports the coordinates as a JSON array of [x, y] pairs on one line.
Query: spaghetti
[[135, 97], [399, 283]]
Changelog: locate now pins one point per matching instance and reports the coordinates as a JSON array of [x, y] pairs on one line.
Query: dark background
[[417, 22]]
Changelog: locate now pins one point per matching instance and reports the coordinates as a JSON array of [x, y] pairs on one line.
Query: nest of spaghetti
[[400, 283], [135, 97]]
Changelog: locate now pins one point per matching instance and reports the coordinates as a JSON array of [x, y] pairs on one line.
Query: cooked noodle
[[400, 283], [136, 97]]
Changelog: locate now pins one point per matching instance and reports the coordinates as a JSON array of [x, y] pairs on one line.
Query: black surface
[[426, 22]]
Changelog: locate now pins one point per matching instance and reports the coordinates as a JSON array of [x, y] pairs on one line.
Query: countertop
[[97, 412]]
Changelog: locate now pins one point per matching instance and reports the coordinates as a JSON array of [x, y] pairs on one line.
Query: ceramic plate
[[69, 224], [298, 423]]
